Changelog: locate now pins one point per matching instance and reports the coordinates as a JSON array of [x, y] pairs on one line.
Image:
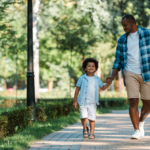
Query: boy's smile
[[90, 68]]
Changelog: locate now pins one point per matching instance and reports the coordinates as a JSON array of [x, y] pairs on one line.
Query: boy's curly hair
[[89, 60]]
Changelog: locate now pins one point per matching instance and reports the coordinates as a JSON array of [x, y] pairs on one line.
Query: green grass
[[21, 94], [109, 110]]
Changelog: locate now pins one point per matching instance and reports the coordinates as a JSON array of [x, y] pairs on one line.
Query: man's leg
[[134, 113], [145, 110]]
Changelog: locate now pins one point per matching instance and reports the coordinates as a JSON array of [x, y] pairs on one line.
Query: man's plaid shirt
[[144, 45]]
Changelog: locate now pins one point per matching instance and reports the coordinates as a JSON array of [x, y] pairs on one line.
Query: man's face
[[127, 26]]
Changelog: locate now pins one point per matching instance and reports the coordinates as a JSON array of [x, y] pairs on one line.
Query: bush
[[40, 113], [3, 126], [18, 118], [57, 109], [14, 120], [112, 102]]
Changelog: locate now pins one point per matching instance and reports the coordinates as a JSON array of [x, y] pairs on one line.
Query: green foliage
[[117, 9], [40, 114], [12, 41], [56, 109], [18, 118], [3, 126], [15, 119], [76, 27], [112, 102]]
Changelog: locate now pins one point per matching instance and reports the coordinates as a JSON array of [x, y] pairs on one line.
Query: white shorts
[[88, 111]]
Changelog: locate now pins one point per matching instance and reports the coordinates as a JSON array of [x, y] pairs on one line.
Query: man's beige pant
[[135, 85]]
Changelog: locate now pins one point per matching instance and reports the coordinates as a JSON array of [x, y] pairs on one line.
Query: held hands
[[109, 80], [75, 105]]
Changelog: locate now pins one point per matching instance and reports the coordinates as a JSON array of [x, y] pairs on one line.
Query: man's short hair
[[89, 60], [130, 18]]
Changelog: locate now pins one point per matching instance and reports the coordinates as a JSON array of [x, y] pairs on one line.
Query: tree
[[36, 47], [8, 40]]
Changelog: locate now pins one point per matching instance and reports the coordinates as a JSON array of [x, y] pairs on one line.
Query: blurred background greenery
[[68, 32]]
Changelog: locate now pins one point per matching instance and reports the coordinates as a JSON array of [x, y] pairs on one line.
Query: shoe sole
[[85, 136], [136, 138]]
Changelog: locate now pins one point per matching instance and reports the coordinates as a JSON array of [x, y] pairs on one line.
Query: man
[[133, 57]]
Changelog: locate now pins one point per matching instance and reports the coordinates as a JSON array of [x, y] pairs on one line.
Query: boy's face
[[90, 67]]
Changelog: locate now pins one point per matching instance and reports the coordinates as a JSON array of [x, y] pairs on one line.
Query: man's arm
[[111, 78], [117, 63]]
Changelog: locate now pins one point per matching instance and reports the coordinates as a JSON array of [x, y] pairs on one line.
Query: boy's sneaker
[[137, 135], [141, 127]]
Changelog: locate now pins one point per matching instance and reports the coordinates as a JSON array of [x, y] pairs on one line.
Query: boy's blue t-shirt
[[83, 84]]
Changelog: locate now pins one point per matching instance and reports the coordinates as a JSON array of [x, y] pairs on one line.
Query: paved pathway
[[113, 132]]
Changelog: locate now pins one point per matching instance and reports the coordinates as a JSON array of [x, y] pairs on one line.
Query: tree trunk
[[5, 85], [36, 47], [98, 72], [83, 56], [50, 85], [19, 84]]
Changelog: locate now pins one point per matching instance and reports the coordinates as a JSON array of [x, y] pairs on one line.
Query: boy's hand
[[75, 104]]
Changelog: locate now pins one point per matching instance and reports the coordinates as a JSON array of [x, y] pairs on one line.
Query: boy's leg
[[92, 126], [83, 120], [92, 118], [83, 112]]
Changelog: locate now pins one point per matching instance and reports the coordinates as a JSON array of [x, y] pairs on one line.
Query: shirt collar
[[86, 76], [139, 32]]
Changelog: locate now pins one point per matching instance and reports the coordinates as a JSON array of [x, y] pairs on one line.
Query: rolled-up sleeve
[[79, 82], [117, 62], [100, 83]]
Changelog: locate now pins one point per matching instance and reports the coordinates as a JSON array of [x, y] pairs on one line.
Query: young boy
[[88, 85]]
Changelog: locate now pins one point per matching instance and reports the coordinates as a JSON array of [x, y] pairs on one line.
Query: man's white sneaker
[[141, 127], [137, 135]]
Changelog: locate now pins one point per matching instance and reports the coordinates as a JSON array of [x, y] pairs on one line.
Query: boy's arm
[[75, 97], [105, 86]]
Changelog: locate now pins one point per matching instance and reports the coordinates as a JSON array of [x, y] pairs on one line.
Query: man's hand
[[75, 104], [109, 79]]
